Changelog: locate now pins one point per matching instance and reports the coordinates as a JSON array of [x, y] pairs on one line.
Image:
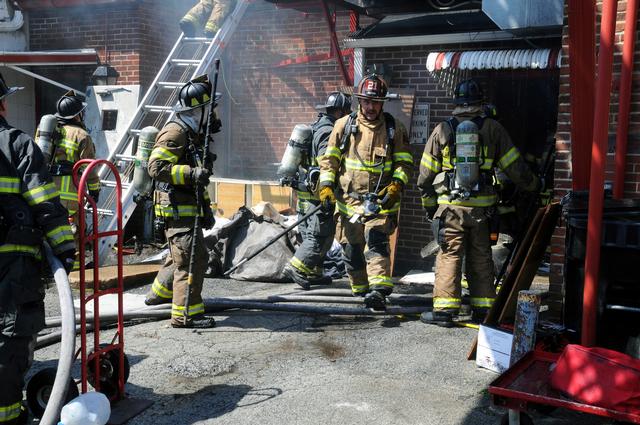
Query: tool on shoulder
[[207, 163]]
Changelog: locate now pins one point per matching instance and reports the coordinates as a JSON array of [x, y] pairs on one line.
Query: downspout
[[582, 65], [598, 162], [624, 99]]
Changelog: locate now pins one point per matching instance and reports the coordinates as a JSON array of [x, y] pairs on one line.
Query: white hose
[[68, 345]]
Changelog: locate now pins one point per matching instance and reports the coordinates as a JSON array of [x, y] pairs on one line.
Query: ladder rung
[[186, 62], [170, 85], [196, 40], [158, 108], [134, 131], [123, 157], [101, 211], [111, 183]]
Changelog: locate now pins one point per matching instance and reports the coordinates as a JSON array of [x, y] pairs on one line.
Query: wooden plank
[[133, 275], [509, 279], [534, 256], [229, 198], [278, 196]]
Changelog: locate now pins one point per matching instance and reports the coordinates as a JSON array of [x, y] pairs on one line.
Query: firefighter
[[305, 267], [175, 164], [72, 143], [456, 180], [363, 172], [212, 12], [30, 213]]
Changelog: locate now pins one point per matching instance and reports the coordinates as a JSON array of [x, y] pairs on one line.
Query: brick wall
[[134, 38], [265, 101], [408, 70], [563, 142]]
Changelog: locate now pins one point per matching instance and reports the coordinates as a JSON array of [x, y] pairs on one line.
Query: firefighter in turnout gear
[[175, 164], [207, 14], [305, 267], [30, 213], [72, 144], [456, 180], [364, 170]]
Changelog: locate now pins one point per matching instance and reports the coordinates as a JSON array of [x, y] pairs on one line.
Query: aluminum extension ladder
[[189, 57]]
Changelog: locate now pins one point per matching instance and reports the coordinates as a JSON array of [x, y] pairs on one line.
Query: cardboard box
[[494, 349]]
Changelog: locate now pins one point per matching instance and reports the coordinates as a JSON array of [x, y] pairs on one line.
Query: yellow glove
[[390, 194], [327, 198]]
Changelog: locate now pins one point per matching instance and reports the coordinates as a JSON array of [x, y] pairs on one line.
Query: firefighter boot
[[155, 300], [375, 300], [199, 321], [479, 314], [442, 318], [188, 27], [295, 275]]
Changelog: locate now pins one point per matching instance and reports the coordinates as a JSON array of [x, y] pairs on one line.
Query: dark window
[[109, 119]]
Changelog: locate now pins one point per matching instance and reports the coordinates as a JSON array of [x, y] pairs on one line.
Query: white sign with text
[[419, 124]]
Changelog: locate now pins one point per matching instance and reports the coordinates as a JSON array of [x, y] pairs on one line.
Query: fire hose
[[272, 303], [68, 339]]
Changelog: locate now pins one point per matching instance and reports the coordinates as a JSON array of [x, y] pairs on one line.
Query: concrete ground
[[272, 368]]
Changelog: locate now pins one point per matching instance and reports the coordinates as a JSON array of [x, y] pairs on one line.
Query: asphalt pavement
[[273, 368]]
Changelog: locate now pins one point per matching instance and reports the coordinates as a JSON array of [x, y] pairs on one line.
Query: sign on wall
[[419, 124]]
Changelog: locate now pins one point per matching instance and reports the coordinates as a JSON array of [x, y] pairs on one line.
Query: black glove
[[429, 212], [67, 259], [208, 220], [200, 175], [95, 194]]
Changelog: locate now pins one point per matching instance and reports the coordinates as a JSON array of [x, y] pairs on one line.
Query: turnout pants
[[464, 233], [16, 356], [317, 236], [21, 318], [212, 12], [367, 255], [177, 267]]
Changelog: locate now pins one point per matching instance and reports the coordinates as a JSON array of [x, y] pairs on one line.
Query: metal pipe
[[596, 181], [45, 79], [68, 336], [624, 98], [582, 64], [335, 46]]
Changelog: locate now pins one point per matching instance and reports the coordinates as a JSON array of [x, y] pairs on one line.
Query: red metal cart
[[526, 385], [105, 366]]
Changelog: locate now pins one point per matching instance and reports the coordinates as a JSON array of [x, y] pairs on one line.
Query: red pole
[[598, 161], [624, 99], [582, 65], [354, 23], [335, 46]]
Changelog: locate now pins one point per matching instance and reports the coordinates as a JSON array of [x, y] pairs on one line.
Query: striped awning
[[495, 59]]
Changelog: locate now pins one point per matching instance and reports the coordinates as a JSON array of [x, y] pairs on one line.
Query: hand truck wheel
[[109, 372], [39, 390]]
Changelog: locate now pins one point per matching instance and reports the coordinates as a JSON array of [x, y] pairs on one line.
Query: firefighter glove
[[200, 175], [429, 212], [390, 194], [327, 198], [67, 259], [95, 194]]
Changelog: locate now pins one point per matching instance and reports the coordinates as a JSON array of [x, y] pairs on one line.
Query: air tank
[[467, 157], [142, 181], [46, 131], [298, 145]]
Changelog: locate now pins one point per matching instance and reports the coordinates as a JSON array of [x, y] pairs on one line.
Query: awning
[[49, 58], [495, 59]]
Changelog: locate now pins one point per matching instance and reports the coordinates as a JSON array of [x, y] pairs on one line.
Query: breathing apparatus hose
[[68, 341]]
